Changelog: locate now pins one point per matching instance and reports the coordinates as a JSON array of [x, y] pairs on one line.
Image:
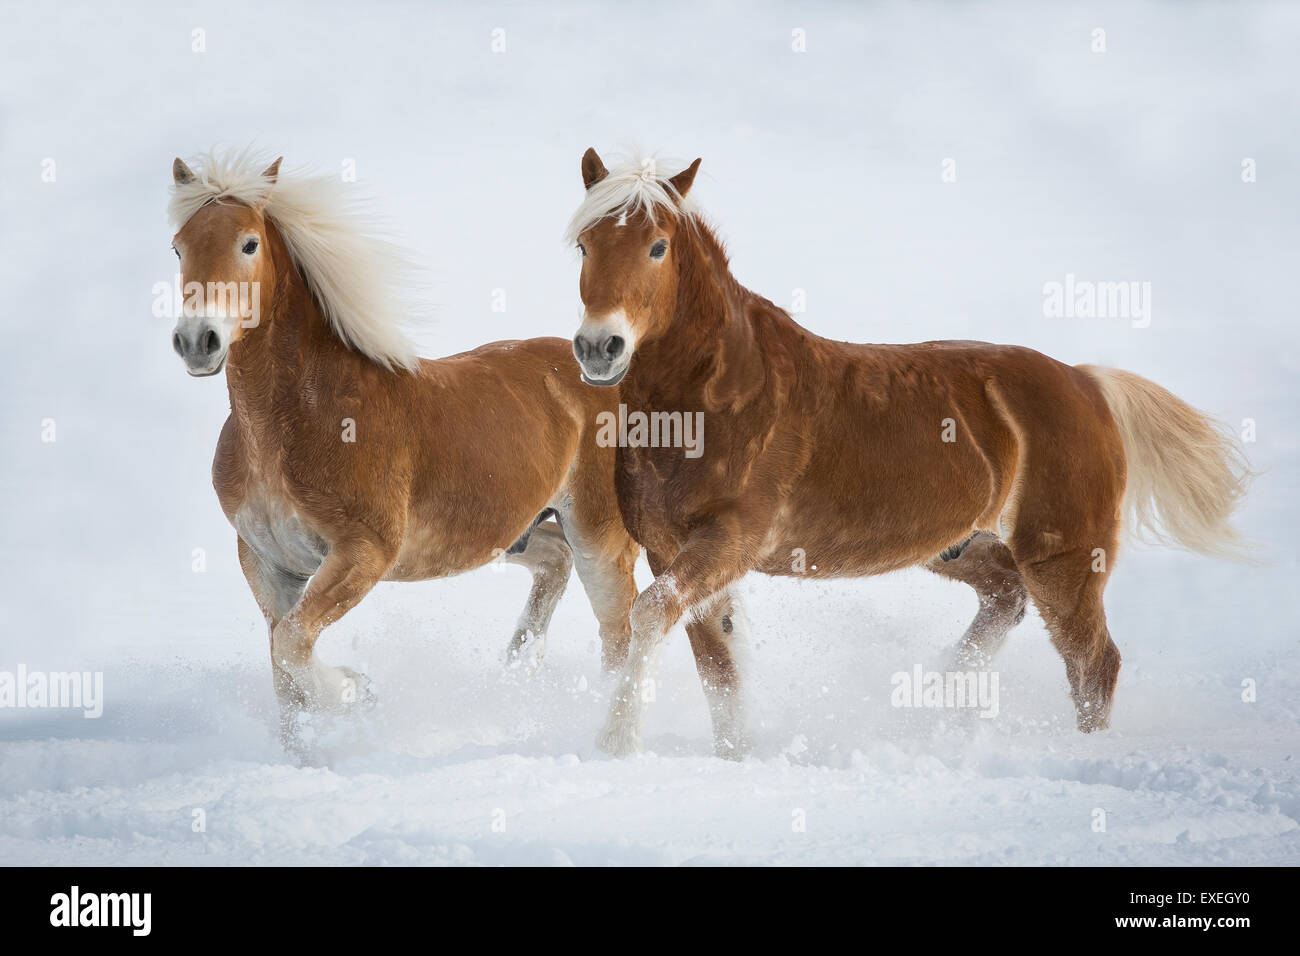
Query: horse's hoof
[[1090, 717], [526, 651], [968, 658], [613, 662], [618, 740], [726, 749], [356, 691]]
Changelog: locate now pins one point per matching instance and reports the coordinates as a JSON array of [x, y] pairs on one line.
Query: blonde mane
[[634, 185], [358, 278]]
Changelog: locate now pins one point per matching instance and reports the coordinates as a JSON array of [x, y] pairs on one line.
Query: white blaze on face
[[613, 323], [207, 324], [215, 314]]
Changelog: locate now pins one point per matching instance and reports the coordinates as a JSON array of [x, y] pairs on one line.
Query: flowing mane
[[633, 185], [355, 275]]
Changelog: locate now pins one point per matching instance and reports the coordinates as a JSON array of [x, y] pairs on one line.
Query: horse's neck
[[709, 355], [266, 367]]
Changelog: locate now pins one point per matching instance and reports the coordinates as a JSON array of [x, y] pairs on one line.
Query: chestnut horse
[[346, 460], [992, 464]]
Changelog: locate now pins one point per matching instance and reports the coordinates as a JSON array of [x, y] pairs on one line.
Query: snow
[[822, 170]]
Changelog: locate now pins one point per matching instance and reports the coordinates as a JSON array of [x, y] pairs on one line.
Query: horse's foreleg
[[712, 560], [987, 565], [352, 567], [276, 592], [718, 630], [550, 559]]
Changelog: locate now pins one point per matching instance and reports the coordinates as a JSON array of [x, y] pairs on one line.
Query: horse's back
[[943, 436], [1011, 381], [502, 354]]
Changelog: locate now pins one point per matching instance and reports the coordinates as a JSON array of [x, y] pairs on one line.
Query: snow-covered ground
[[824, 171]]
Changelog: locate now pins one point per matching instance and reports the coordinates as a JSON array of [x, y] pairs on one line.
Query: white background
[[822, 171]]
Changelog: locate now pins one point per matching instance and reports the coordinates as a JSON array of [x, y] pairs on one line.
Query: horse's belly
[[839, 556], [860, 536], [430, 551], [443, 541], [276, 533]]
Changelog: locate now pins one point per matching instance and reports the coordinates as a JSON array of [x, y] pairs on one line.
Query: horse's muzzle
[[203, 349], [603, 356]]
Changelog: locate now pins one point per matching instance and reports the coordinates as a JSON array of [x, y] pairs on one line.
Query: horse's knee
[[1012, 601], [559, 560], [654, 613], [546, 554], [553, 571]]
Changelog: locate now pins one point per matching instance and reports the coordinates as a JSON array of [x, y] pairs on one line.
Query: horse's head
[[226, 271], [625, 231]]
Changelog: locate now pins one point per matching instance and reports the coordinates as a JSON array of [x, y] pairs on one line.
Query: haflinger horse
[[346, 460], [990, 464]]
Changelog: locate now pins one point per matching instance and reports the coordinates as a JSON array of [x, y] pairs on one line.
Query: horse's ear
[[593, 170], [181, 174], [272, 172], [682, 181]]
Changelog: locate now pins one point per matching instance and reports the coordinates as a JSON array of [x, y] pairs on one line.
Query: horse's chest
[[654, 498], [272, 527]]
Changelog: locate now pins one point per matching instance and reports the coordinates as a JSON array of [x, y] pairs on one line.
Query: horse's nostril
[[581, 347], [613, 347], [177, 344], [210, 342]]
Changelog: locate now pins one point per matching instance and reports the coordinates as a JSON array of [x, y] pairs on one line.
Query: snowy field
[[824, 171]]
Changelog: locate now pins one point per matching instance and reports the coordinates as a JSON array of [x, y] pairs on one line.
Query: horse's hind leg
[[1066, 580], [605, 565], [550, 559], [987, 565], [1067, 592], [604, 555]]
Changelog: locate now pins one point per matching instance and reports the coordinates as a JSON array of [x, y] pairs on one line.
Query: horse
[[993, 464], [346, 460]]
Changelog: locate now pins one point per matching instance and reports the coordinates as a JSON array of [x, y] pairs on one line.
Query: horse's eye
[[582, 250], [177, 251], [659, 249], [250, 247]]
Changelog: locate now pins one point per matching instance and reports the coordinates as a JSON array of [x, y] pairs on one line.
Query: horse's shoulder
[[229, 466]]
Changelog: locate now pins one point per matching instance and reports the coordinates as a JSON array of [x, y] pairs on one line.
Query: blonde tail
[[1186, 472]]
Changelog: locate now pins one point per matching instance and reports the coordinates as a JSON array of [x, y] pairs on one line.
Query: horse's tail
[[1186, 471]]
